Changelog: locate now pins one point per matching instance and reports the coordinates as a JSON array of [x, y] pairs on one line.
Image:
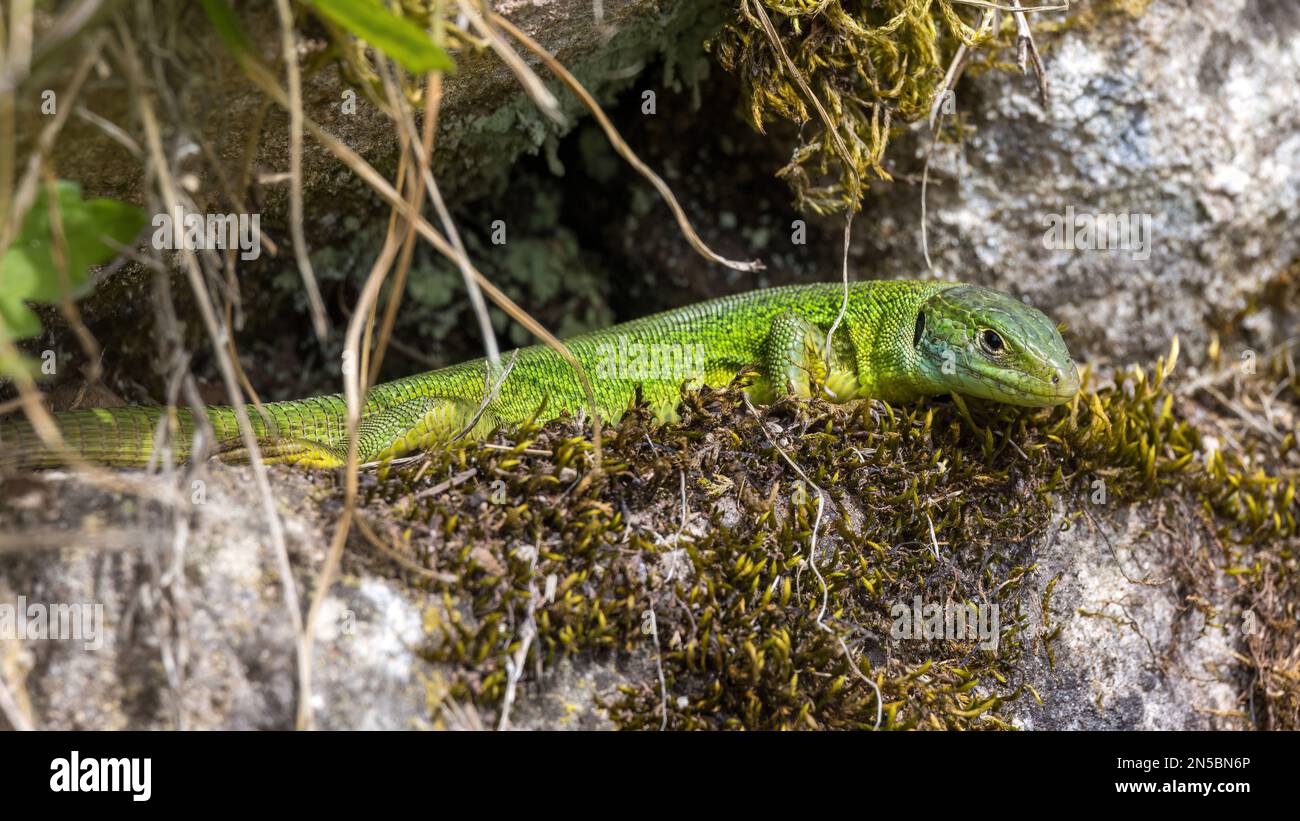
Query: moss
[[872, 63], [731, 591]]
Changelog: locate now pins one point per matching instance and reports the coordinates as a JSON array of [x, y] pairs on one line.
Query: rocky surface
[[1131, 652], [1185, 113], [199, 637], [486, 120]]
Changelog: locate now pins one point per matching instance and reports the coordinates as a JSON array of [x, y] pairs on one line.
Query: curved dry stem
[[290, 49], [217, 333], [625, 151], [432, 104], [406, 123], [533, 85], [263, 79], [354, 395]]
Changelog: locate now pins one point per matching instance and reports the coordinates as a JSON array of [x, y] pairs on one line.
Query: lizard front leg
[[794, 360]]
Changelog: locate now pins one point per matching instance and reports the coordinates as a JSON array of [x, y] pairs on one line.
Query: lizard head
[[979, 342]]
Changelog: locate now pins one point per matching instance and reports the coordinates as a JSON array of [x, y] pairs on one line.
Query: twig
[[625, 151], [515, 665], [217, 333], [812, 560], [528, 78], [1026, 49], [946, 92], [289, 45], [491, 388], [111, 129]]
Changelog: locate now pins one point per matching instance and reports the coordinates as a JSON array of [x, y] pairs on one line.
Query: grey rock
[[1185, 113]]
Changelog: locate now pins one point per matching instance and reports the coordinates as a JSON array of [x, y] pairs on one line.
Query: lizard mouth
[[1058, 390]]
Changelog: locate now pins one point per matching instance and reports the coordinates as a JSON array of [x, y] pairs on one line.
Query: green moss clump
[[941, 500], [873, 64], [870, 62]]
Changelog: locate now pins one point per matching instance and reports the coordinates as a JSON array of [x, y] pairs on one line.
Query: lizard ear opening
[[920, 329]]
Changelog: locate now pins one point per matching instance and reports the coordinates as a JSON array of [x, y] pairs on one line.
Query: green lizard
[[897, 341]]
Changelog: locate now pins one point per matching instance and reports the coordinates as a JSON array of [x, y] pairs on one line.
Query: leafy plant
[[396, 36], [32, 271]]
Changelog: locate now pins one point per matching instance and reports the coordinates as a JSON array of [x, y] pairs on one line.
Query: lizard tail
[[121, 437], [126, 437]]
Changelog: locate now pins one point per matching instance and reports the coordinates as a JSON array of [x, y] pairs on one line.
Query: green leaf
[[226, 24], [18, 318], [91, 228], [12, 366], [397, 37]]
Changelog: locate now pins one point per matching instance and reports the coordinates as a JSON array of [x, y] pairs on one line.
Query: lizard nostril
[[1056, 379]]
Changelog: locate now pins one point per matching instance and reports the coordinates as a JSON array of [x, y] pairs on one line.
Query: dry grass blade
[[941, 101], [266, 82], [290, 48], [533, 85], [217, 333], [491, 387], [406, 123], [112, 130], [624, 150], [354, 393], [432, 104]]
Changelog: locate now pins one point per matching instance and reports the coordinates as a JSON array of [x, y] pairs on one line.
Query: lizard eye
[[991, 341]]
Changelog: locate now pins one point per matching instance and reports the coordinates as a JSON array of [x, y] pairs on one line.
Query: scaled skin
[[898, 341]]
